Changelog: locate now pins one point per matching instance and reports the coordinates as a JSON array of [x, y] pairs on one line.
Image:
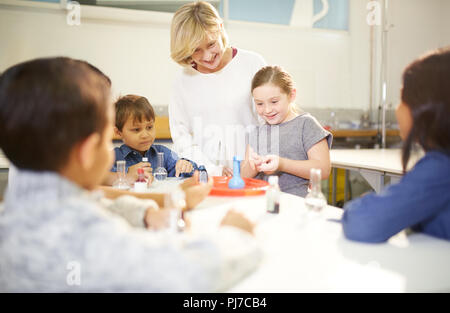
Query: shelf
[[342, 133], [162, 128]]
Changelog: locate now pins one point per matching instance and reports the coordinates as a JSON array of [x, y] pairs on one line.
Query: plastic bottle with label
[[315, 201], [140, 185], [273, 196], [203, 174]]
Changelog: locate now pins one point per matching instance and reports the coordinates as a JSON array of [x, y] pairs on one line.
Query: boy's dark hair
[[47, 106], [426, 91], [131, 105]]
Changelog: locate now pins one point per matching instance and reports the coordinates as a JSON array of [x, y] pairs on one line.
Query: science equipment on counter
[[160, 172], [315, 201], [203, 174], [273, 195], [236, 182], [174, 203], [121, 181], [140, 185]]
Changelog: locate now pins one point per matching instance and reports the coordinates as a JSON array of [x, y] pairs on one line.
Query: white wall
[[136, 55], [331, 68], [445, 23], [418, 26], [315, 59]]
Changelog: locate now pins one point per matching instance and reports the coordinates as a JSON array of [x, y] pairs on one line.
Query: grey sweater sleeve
[[70, 243], [230, 253], [130, 208], [239, 256], [170, 262]]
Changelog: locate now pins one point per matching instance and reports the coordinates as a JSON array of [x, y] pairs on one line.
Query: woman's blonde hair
[[190, 26], [277, 76]]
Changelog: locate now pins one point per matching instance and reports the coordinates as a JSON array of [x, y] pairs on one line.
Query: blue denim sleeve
[[194, 168], [170, 160], [420, 195]]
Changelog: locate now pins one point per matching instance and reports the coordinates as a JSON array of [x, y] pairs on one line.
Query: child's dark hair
[[426, 91], [136, 106], [47, 106]]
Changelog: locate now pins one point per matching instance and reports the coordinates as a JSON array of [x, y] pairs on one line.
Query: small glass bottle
[[315, 201], [236, 182], [174, 203], [273, 196], [121, 182], [160, 172], [334, 123], [203, 174], [140, 185]]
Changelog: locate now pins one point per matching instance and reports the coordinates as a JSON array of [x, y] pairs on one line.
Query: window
[[323, 14]]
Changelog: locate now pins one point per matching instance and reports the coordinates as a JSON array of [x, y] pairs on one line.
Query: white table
[[311, 255], [373, 164], [4, 164]]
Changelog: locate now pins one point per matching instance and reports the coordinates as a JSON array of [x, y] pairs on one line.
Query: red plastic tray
[[253, 187]]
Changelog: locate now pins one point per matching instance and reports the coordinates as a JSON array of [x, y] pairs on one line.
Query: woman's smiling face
[[208, 55]]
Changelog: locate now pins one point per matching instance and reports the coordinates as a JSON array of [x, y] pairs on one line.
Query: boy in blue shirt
[[135, 124]]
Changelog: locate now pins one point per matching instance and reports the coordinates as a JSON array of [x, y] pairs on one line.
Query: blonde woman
[[211, 104]]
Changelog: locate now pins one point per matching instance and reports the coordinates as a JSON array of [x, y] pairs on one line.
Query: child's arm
[[109, 179], [183, 167], [136, 211], [195, 192], [410, 203], [318, 157], [249, 165]]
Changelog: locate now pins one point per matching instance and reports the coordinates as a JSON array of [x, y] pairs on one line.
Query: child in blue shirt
[[135, 124], [421, 200]]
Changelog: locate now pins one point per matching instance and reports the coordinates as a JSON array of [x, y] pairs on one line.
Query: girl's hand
[[250, 163], [270, 164], [132, 171], [255, 160], [226, 171], [183, 166]]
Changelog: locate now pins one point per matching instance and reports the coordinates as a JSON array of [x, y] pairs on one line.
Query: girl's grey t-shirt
[[290, 140]]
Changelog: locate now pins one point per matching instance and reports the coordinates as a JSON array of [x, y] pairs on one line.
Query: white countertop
[[384, 160], [4, 162], [304, 254]]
